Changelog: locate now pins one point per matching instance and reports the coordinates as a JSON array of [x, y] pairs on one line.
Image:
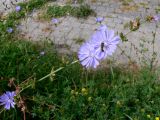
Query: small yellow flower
[[89, 99], [118, 103], [157, 118], [72, 92], [104, 105], [76, 93], [64, 60], [84, 91], [142, 110], [148, 116]]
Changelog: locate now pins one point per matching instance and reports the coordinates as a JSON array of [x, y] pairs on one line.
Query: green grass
[[83, 11], [126, 2], [72, 1], [157, 9], [107, 95], [79, 40]]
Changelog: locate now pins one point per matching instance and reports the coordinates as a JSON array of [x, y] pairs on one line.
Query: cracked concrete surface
[[116, 13]]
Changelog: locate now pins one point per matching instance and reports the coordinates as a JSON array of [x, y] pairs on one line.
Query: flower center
[[9, 101]]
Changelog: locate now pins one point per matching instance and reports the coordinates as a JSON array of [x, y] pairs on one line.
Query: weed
[[79, 40], [82, 11]]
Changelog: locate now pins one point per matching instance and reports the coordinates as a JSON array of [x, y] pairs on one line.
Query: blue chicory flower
[[101, 44], [105, 42], [156, 18], [87, 55], [7, 99], [55, 21], [9, 30], [18, 8], [99, 19]]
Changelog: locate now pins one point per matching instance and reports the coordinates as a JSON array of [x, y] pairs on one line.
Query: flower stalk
[[52, 73]]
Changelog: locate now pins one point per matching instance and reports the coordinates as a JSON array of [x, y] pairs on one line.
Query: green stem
[[112, 72], [2, 111], [49, 75], [128, 116]]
